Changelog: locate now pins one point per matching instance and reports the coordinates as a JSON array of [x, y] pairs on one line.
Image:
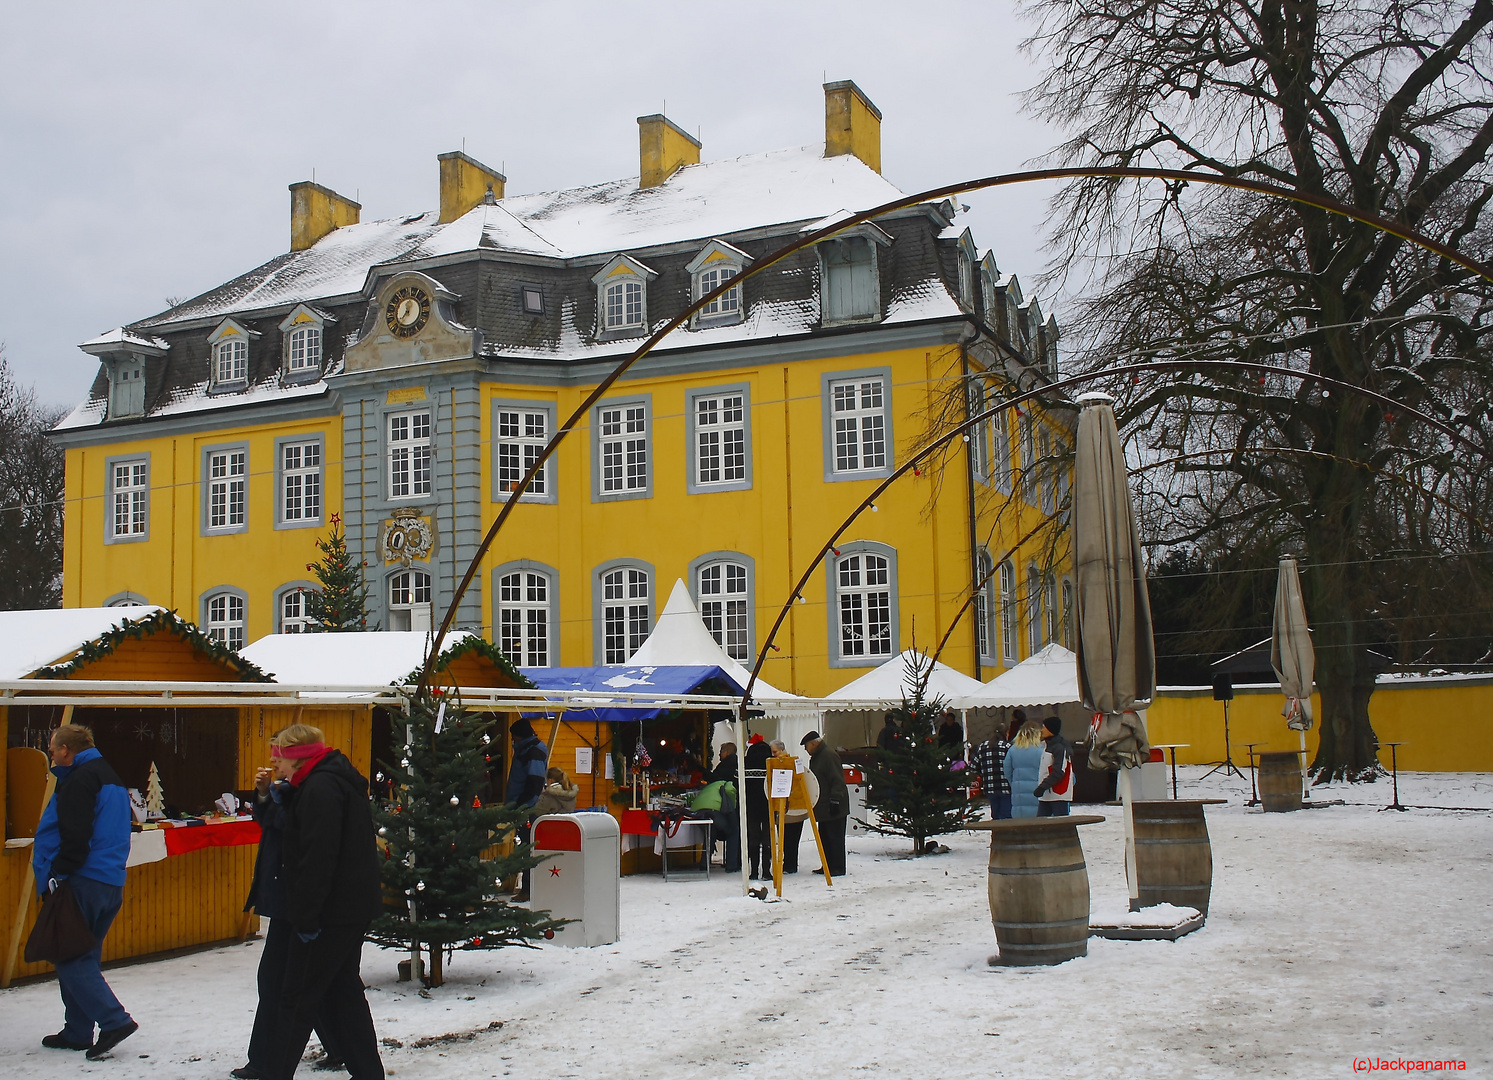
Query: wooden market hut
[[194, 896]]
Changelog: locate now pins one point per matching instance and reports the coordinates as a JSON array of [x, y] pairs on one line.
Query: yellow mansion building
[[403, 374]]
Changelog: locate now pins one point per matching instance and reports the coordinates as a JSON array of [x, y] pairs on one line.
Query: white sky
[[145, 149]]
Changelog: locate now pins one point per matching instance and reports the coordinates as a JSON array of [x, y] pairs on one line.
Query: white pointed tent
[[1049, 677], [853, 713], [680, 638]]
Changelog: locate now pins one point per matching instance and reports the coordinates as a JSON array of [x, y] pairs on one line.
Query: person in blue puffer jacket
[[84, 839], [526, 780], [1023, 769]]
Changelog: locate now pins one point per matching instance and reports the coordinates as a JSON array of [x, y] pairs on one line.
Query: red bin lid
[[557, 836]]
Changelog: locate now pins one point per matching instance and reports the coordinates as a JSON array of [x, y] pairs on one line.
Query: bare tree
[[1385, 105], [31, 498]]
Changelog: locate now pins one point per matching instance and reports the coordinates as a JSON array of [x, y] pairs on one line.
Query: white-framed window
[[858, 412], [300, 482], [126, 599], [622, 448], [227, 488], [1063, 468], [521, 435], [622, 304], [1001, 427], [1034, 610], [127, 388], [409, 454], [1028, 463], [850, 291], [727, 303], [985, 601], [1068, 614], [1047, 472], [1009, 612], [129, 484], [720, 439], [303, 352], [226, 619], [409, 600], [626, 612], [293, 619], [524, 617], [979, 435], [863, 605], [231, 361], [724, 590], [1050, 611]]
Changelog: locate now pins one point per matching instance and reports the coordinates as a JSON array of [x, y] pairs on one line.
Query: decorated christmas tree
[[155, 798], [341, 604], [912, 788], [440, 894]]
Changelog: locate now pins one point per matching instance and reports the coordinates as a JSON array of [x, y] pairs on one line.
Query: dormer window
[[303, 352], [127, 388], [622, 297], [850, 280], [229, 356], [717, 264], [231, 361], [304, 331]]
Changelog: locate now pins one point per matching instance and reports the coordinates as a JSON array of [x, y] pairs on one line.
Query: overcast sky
[[146, 148]]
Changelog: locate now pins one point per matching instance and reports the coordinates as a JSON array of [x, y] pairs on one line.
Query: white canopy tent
[[853, 714], [1044, 684], [680, 638]]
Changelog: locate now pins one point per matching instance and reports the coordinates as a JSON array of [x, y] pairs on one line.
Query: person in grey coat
[[1023, 769]]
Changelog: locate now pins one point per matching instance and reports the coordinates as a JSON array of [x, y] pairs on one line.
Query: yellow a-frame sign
[[786, 791]]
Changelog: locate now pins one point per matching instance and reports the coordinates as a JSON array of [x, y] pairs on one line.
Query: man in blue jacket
[[526, 777], [84, 839]]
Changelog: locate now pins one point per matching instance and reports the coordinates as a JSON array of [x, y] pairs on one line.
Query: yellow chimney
[[464, 184], [852, 125], [663, 148], [316, 211]]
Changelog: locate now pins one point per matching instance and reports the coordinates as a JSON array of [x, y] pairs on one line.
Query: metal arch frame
[[999, 180], [1062, 384]]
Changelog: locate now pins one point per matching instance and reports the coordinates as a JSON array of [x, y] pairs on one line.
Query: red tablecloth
[[638, 823], [182, 839]]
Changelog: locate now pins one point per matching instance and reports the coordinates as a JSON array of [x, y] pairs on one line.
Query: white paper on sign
[[584, 764], [611, 767], [782, 784]]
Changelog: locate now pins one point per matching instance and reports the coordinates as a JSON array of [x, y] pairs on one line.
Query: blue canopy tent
[[646, 679]]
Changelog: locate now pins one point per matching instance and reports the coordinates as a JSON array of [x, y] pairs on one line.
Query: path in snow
[[1335, 933]]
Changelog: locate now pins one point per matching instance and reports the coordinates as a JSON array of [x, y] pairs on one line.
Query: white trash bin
[[580, 877], [855, 783]]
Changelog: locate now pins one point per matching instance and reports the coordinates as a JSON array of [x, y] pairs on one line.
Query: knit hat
[[1054, 725]]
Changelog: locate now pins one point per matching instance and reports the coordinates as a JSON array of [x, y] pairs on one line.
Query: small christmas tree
[[155, 798], [442, 893], [341, 604], [912, 789]]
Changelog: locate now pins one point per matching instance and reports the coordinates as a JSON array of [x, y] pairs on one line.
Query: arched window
[[985, 601], [979, 436], [1049, 609], [524, 598], [626, 612], [1008, 612], [1034, 610], [226, 612], [303, 352], [409, 600], [864, 586], [726, 607]]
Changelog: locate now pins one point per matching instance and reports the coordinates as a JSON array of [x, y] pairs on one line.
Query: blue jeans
[[1052, 808], [1000, 807], [86, 997]]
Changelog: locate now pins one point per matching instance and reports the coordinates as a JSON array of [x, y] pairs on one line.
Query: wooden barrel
[[1039, 890], [1280, 782], [1173, 858]]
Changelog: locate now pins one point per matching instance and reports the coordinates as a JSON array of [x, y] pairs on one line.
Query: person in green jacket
[[717, 801]]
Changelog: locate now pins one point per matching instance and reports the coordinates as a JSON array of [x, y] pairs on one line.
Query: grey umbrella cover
[[1291, 653], [1116, 652]]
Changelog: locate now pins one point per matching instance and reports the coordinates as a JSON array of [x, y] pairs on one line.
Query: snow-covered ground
[[1336, 934]]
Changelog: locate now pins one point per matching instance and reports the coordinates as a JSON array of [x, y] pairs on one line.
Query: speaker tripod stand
[[1227, 764]]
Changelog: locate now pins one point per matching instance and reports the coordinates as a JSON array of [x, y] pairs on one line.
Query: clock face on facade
[[407, 311]]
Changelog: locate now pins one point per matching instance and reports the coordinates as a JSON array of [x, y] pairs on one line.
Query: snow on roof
[[888, 685], [195, 398], [38, 639], [679, 638], [120, 336], [1049, 677], [696, 203], [372, 658]]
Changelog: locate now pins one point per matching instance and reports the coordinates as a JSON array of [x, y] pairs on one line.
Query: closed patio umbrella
[[1116, 653], [1292, 657]]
